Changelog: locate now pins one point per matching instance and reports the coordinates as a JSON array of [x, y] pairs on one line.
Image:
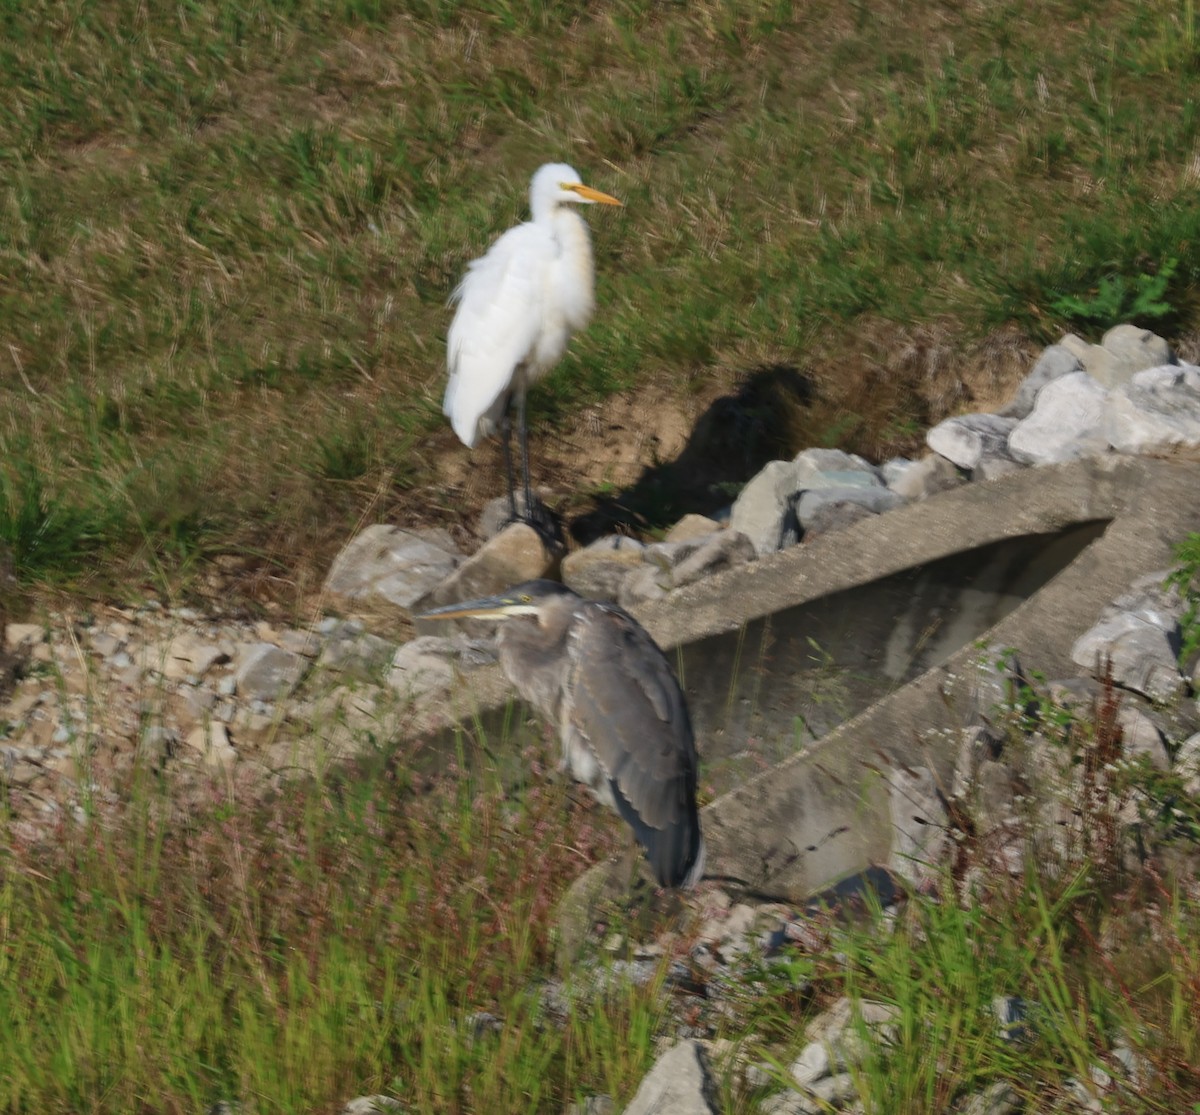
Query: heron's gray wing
[[627, 704]]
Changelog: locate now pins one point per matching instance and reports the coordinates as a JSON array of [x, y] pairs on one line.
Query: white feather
[[518, 306]]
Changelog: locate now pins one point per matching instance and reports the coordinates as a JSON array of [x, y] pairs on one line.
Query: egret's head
[[528, 599], [558, 184]]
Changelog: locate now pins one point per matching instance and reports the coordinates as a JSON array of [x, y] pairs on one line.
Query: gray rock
[[361, 656], [1157, 411], [1012, 1014], [594, 1105], [835, 516], [597, 570], [1142, 655], [266, 672], [389, 565], [157, 745], [926, 477], [814, 1063], [970, 438], [1055, 362], [1068, 421], [372, 1105], [996, 1099], [679, 1083], [875, 499], [518, 553], [764, 510]]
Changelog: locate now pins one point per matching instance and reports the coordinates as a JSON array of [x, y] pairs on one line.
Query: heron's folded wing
[[500, 309], [629, 706]]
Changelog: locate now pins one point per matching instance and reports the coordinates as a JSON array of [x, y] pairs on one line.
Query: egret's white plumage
[[519, 304]]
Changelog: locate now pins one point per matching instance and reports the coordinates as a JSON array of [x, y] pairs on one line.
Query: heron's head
[[529, 599], [559, 184]]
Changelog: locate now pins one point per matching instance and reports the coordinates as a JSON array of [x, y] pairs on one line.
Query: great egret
[[518, 306], [593, 671]]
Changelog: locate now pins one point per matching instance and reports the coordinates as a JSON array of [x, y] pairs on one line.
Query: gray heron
[[518, 306], [595, 673]]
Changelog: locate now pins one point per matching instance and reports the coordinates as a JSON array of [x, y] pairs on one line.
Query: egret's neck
[[577, 287]]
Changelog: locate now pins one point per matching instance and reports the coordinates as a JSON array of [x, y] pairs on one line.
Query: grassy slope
[[227, 233]]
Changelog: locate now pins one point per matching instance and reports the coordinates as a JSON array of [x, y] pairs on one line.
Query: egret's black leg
[[506, 432], [523, 432]]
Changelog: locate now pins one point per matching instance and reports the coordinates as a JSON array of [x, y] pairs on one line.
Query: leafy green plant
[[1186, 578], [1119, 298]]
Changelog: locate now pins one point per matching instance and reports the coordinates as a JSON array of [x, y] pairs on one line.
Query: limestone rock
[[679, 1083], [388, 564], [719, 550], [518, 553], [1140, 736], [1055, 362], [190, 655], [1068, 421], [1187, 764], [1158, 410], [497, 513], [992, 468], [764, 512], [212, 743], [359, 655], [996, 1099], [692, 527], [372, 1105], [926, 477], [969, 438], [833, 468], [1123, 351], [834, 516], [1142, 655], [428, 664], [874, 499], [26, 635], [157, 745], [597, 570], [266, 672]]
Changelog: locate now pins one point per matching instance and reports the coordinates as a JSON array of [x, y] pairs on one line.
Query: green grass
[[228, 233], [336, 939], [292, 955]]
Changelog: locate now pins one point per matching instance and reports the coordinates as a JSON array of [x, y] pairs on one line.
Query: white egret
[[518, 306]]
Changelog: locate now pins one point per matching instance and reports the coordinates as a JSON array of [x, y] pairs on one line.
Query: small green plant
[[1118, 298], [1186, 578]]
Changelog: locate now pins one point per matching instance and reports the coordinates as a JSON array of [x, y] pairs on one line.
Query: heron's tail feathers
[[675, 851]]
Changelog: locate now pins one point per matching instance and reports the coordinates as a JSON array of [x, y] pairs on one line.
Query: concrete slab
[[898, 604]]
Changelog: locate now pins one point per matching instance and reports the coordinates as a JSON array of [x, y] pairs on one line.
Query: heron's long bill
[[487, 607], [589, 194]]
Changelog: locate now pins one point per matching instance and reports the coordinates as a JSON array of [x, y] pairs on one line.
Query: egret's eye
[[526, 598]]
